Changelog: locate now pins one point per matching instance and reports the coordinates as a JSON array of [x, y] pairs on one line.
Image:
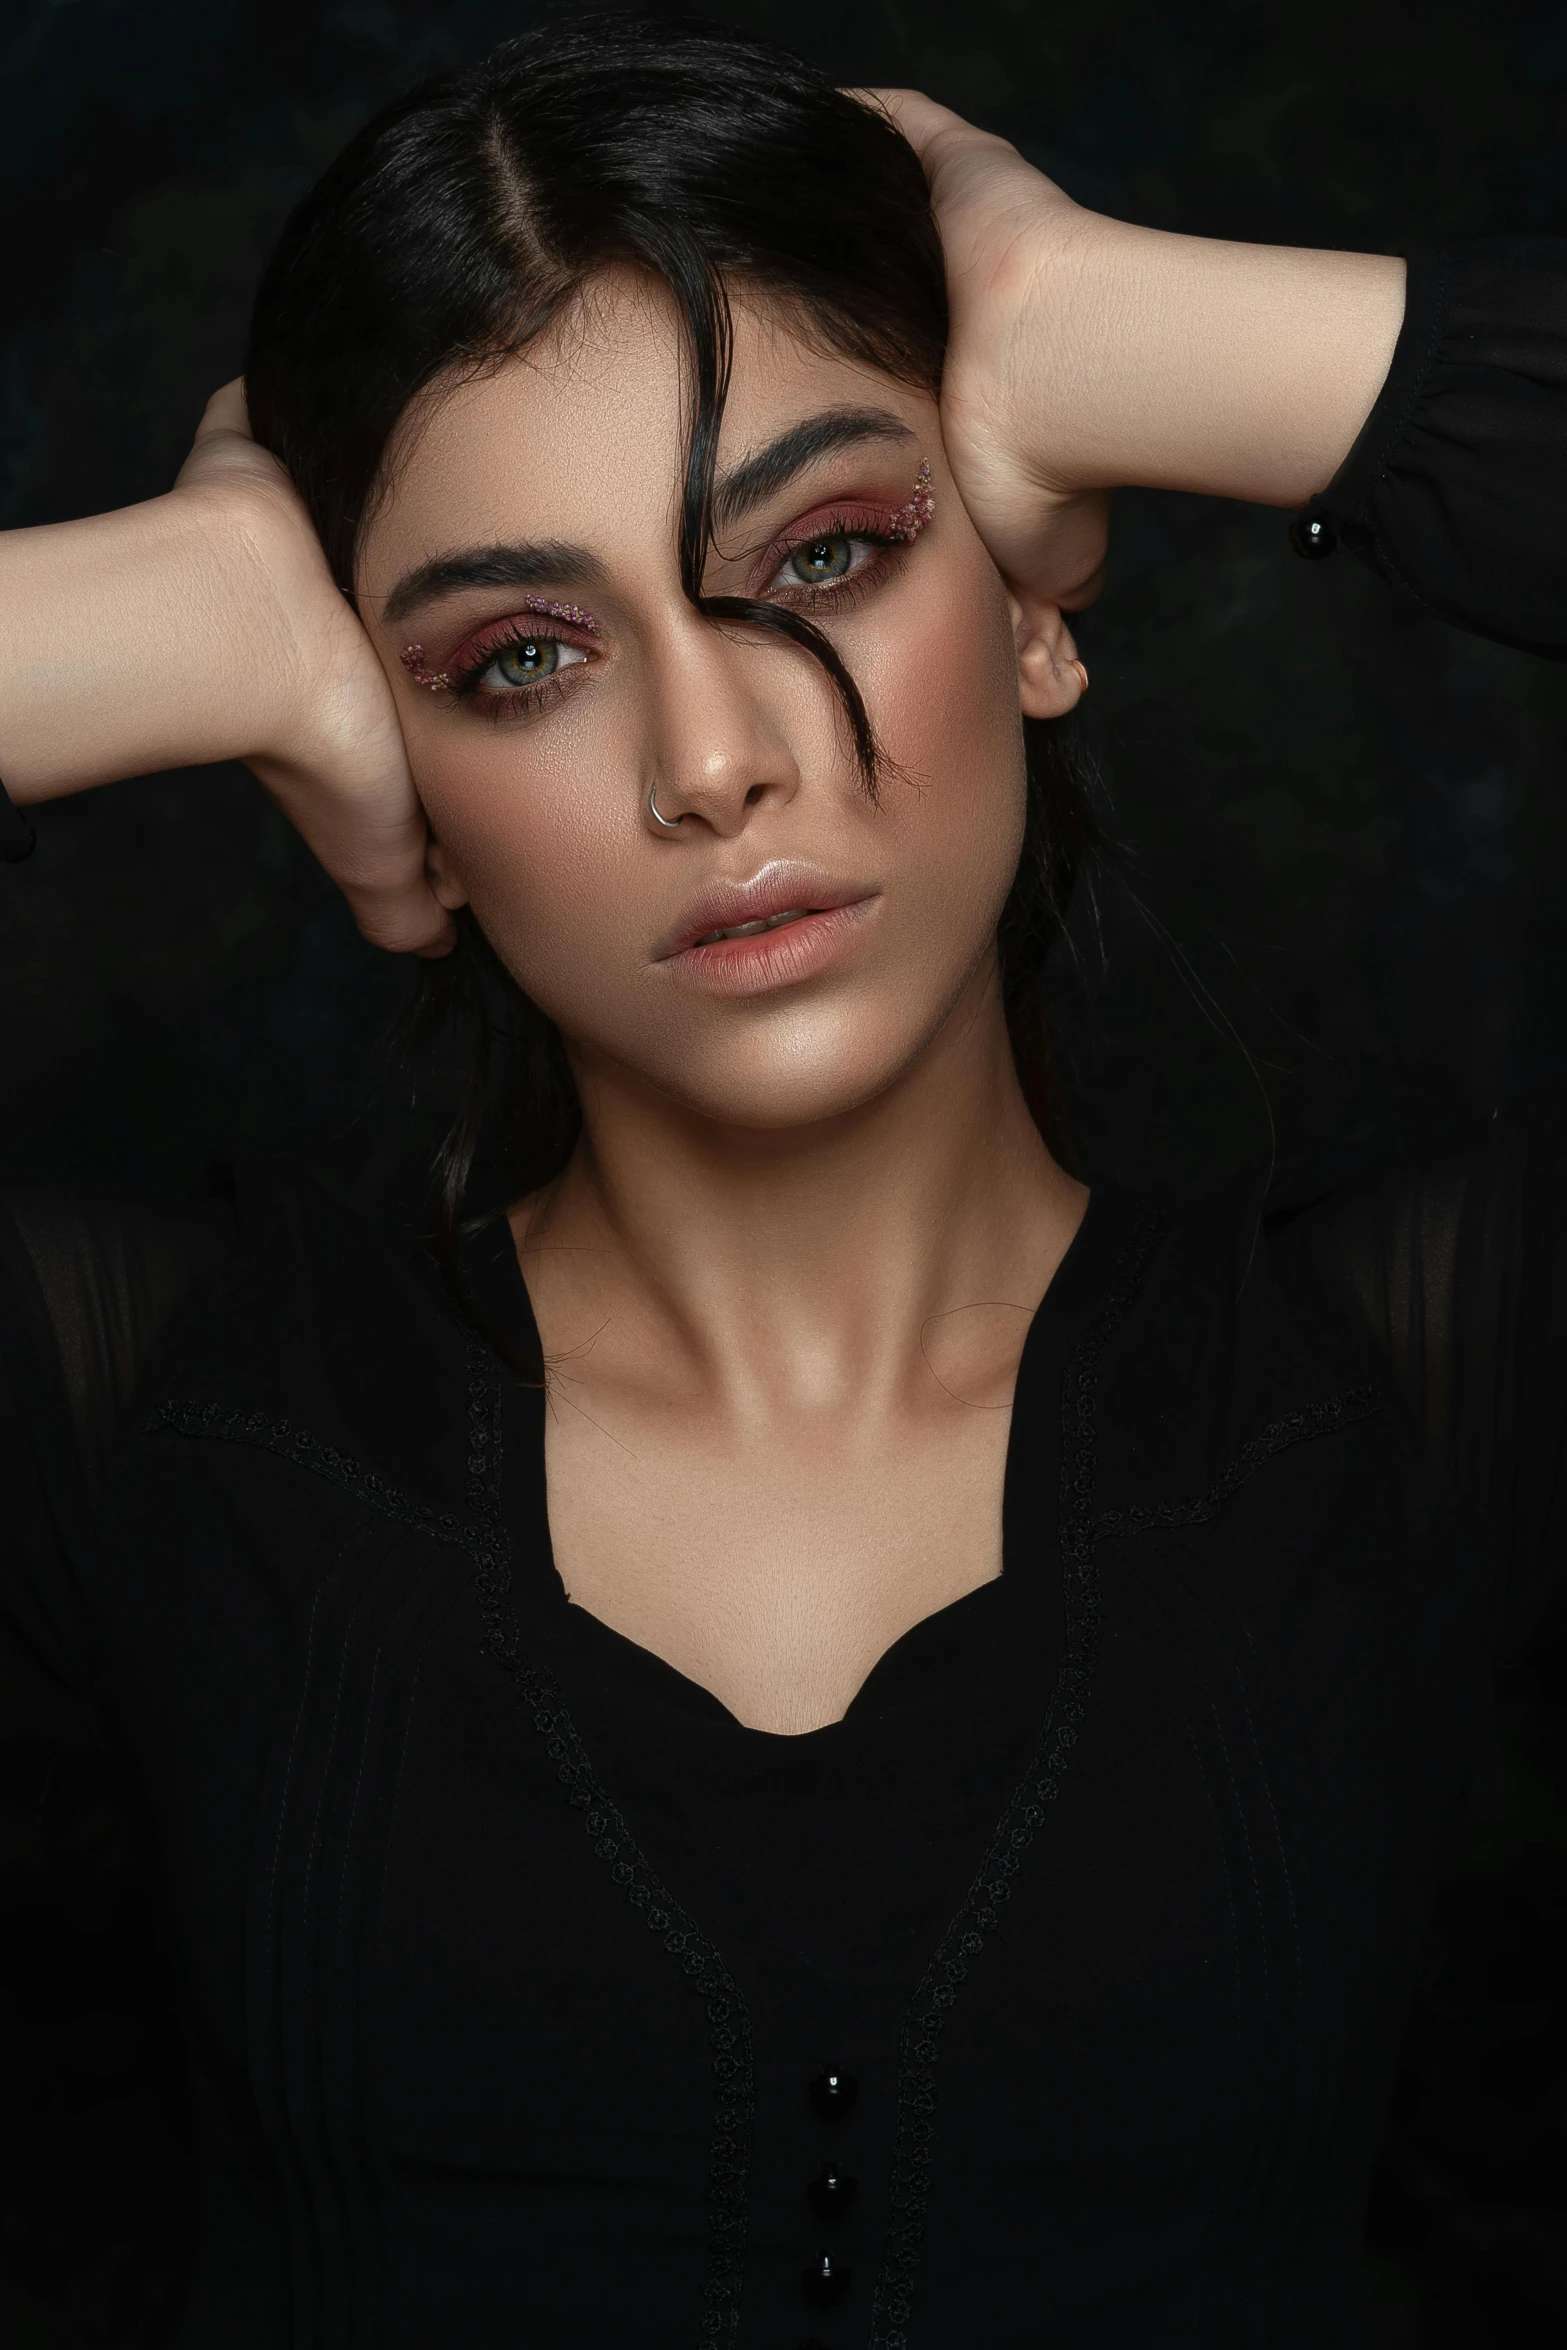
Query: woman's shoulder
[[92, 1286], [1195, 1352], [326, 1327]]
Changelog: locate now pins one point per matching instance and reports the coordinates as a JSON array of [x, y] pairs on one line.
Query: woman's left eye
[[526, 661], [818, 562]]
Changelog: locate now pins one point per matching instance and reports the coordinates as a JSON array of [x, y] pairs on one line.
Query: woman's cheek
[[533, 843], [948, 714]]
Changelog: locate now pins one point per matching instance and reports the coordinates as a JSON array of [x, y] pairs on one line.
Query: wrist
[[1093, 309], [132, 641], [246, 546]]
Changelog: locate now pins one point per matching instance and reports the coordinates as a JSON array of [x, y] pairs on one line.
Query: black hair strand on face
[[456, 226]]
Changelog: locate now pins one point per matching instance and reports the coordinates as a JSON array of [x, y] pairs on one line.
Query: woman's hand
[[334, 759], [1086, 353], [205, 625], [1006, 231]]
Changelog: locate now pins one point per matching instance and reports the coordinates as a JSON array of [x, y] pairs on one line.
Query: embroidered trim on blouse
[[1317, 1419], [482, 1534], [980, 1913], [1080, 1533], [728, 2022]]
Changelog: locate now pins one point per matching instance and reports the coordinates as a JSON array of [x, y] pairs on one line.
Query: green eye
[[820, 561], [530, 659]]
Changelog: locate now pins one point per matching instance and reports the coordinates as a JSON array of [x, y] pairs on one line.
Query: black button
[[826, 2281], [831, 2191], [1310, 536], [833, 2092]]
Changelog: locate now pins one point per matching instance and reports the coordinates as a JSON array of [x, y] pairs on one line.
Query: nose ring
[[664, 823]]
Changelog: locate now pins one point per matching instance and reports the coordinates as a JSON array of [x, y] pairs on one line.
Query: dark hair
[[449, 233]]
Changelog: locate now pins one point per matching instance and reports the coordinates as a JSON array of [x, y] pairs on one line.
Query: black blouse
[[1052, 1994]]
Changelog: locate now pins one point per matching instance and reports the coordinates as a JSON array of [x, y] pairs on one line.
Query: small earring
[[1082, 672], [664, 823]]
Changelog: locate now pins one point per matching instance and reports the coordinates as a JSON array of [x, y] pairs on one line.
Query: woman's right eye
[[526, 661]]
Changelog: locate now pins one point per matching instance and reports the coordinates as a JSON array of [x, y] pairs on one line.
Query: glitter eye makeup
[[901, 528], [572, 614], [437, 681], [412, 659], [920, 508], [818, 566]]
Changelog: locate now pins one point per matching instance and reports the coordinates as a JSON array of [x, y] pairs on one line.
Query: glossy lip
[[836, 911]]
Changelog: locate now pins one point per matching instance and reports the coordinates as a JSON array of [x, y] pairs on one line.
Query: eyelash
[[517, 701], [890, 555]]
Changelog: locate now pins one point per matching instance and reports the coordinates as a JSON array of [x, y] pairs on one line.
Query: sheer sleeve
[[1456, 490], [97, 2189], [86, 1291], [1460, 1265]]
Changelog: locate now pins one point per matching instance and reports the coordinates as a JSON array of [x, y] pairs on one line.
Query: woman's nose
[[720, 744]]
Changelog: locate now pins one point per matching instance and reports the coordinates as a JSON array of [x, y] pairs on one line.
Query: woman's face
[[527, 545]]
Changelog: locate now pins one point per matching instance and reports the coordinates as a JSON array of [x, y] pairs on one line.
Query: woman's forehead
[[582, 434]]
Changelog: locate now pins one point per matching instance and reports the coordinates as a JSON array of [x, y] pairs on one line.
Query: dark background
[[1331, 930]]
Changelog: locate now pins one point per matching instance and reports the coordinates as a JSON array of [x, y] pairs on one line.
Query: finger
[[409, 921], [1087, 592], [921, 120], [224, 448], [372, 841], [1086, 549], [226, 411], [391, 898], [1060, 557]]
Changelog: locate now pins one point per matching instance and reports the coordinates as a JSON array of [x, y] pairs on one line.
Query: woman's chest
[[775, 1565]]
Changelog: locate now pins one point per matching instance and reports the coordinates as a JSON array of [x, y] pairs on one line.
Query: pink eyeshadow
[[437, 681]]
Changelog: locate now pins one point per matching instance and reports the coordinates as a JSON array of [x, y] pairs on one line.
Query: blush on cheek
[[945, 704], [542, 852]]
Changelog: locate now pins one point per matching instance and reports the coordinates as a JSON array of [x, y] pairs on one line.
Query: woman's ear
[[447, 890], [1051, 679]]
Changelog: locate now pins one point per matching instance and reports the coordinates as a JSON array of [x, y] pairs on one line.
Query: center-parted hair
[[451, 232]]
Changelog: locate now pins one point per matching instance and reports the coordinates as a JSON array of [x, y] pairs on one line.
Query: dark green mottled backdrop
[[1335, 919]]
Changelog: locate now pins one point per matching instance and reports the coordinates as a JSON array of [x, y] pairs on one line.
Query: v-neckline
[[498, 1285]]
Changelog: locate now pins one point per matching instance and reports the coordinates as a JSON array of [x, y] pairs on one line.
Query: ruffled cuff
[[1456, 489]]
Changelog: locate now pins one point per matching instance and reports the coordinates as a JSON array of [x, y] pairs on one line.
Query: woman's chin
[[766, 1091], [772, 1066]]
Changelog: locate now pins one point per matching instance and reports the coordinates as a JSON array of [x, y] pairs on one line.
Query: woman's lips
[[775, 950]]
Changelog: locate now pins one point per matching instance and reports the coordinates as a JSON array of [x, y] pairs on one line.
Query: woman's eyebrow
[[550, 563], [760, 476], [530, 563]]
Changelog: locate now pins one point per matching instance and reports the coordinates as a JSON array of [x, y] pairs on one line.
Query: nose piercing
[[665, 823]]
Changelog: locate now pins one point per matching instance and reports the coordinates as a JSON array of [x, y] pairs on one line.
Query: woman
[[827, 1740]]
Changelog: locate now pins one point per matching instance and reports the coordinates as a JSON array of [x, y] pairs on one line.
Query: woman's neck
[[763, 1271]]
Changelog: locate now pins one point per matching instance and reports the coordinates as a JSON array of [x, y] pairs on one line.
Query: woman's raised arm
[[1418, 410], [1087, 353], [205, 625]]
